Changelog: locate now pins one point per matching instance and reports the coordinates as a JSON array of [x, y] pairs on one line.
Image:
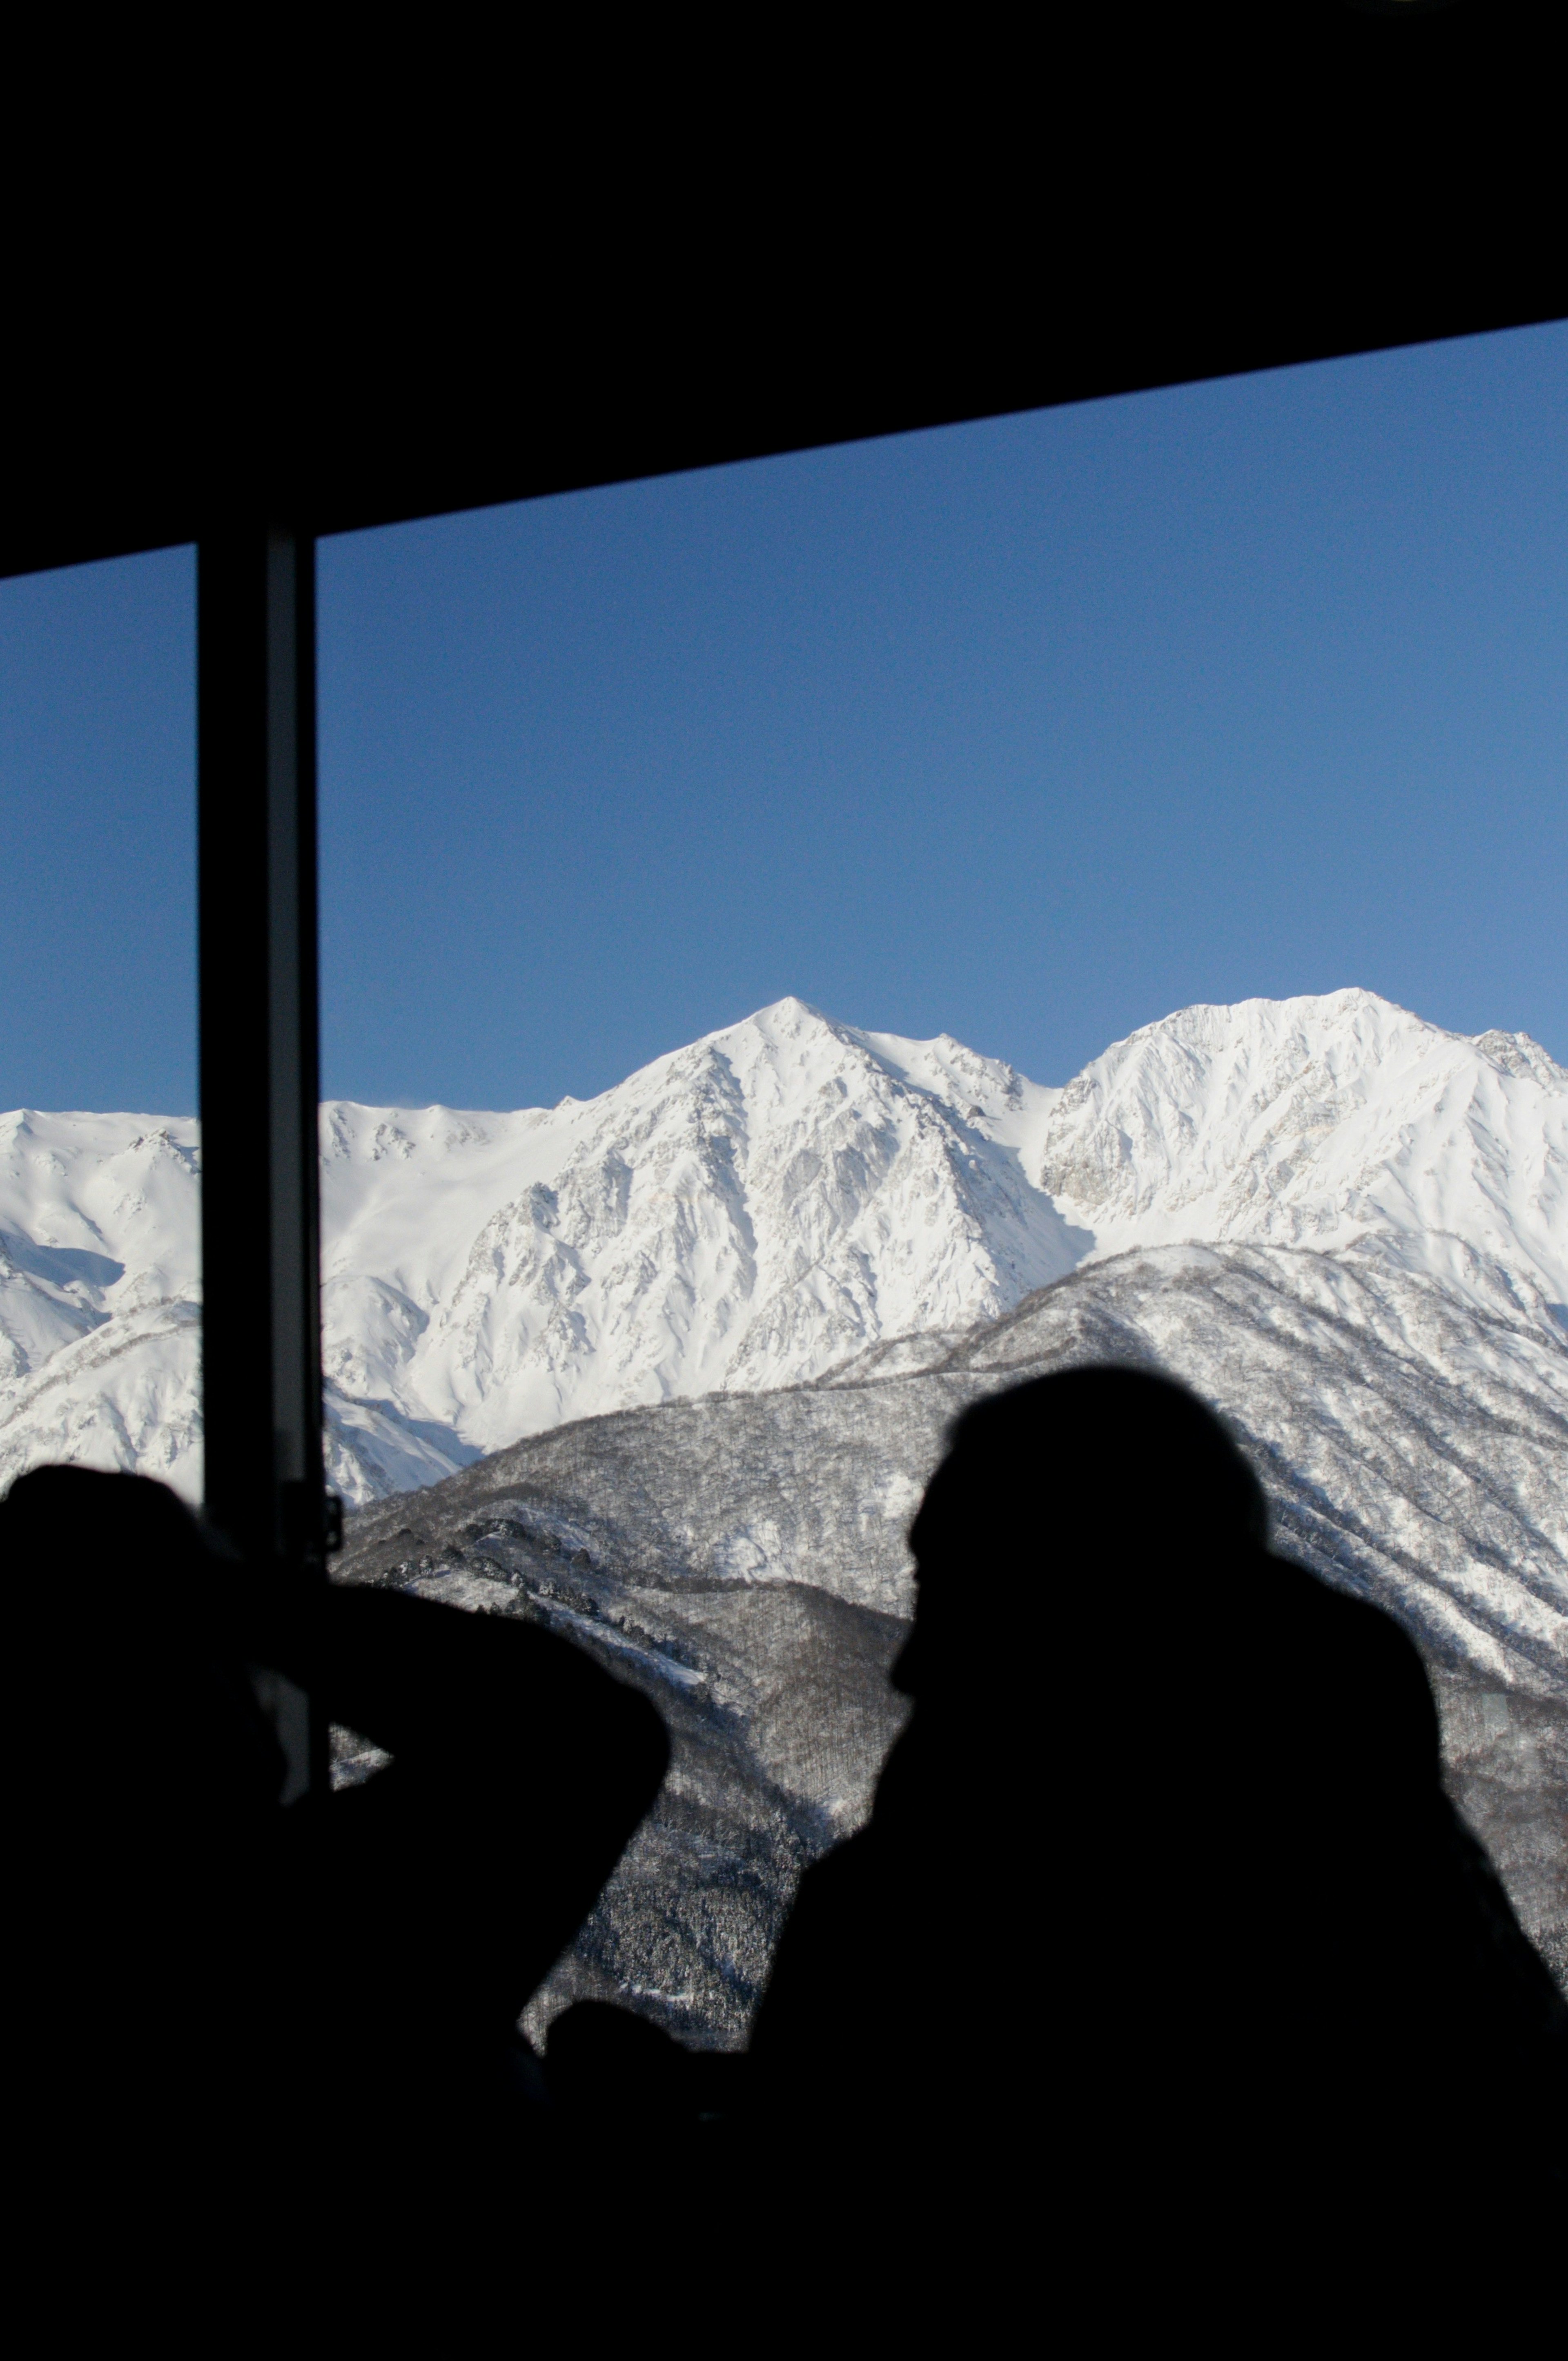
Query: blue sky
[[1029, 731]]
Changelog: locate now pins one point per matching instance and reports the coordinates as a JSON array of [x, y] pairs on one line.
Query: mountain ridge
[[758, 1206]]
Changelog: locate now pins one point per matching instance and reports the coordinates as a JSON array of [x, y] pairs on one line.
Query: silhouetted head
[[139, 1701], [1068, 1503]]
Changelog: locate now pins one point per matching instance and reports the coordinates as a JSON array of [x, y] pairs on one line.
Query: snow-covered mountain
[[742, 1213], [100, 1310], [1328, 1123], [784, 1197]]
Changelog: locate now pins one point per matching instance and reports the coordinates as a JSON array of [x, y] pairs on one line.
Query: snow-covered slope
[[744, 1213], [100, 1316], [784, 1197], [1322, 1123]]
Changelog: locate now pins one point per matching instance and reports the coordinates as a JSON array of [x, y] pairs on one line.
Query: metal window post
[[260, 1086]]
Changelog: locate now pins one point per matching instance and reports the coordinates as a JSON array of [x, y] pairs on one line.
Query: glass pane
[[100, 1318], [810, 942]]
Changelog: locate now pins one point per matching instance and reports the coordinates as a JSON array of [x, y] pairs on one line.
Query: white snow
[[1326, 1122], [788, 1196], [99, 1288]]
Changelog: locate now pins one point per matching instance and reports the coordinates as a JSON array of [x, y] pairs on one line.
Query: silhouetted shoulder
[[830, 1955], [1369, 1683]]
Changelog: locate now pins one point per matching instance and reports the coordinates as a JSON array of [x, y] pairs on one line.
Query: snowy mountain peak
[[747, 1211], [1325, 1122]]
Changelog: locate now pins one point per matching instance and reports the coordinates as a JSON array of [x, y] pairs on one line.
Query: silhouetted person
[[235, 2018], [1163, 1945]]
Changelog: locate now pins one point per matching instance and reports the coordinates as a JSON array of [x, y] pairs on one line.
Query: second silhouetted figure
[[1163, 1935]]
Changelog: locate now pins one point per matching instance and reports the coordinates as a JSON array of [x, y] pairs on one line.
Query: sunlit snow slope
[[99, 1293], [743, 1213], [783, 1197], [1322, 1123]]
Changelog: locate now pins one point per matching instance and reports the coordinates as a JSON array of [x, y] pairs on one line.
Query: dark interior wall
[[342, 289]]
